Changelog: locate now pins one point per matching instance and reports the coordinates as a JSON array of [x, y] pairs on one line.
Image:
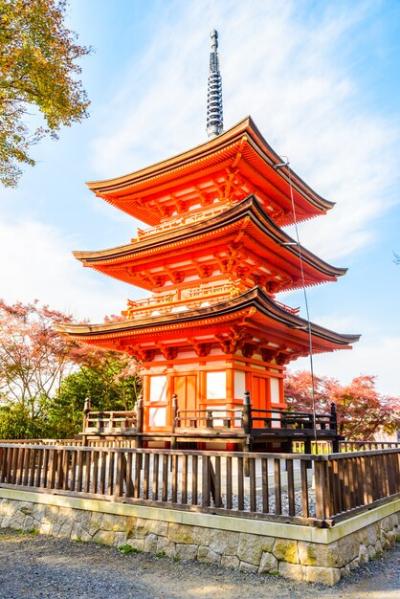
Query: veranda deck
[[242, 428]]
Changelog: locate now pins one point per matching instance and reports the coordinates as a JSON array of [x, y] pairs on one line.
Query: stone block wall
[[296, 558]]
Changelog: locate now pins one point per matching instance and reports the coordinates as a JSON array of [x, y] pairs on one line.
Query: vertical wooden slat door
[[185, 387], [259, 397]]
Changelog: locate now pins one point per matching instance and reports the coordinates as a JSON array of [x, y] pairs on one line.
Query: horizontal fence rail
[[67, 442], [352, 446], [326, 447], [314, 490]]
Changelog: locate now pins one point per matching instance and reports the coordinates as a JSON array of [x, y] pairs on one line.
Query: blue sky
[[321, 80]]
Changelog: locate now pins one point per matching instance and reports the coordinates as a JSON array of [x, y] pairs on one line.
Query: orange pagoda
[[213, 256]]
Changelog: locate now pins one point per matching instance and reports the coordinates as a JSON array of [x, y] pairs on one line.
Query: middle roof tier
[[238, 242]]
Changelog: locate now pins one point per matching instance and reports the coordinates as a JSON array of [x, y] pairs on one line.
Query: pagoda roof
[[232, 165], [262, 239], [252, 312]]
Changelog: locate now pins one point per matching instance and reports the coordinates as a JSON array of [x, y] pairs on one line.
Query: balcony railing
[[181, 300], [242, 418], [181, 221], [110, 422], [253, 420], [187, 299]]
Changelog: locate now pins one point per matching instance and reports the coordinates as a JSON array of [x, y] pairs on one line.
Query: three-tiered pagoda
[[214, 256]]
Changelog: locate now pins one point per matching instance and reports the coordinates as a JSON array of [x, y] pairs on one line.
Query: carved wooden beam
[[169, 353], [201, 349]]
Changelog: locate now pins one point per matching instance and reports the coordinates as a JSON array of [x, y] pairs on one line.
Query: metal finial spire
[[215, 122]]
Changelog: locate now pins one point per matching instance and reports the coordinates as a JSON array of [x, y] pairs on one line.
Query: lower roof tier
[[240, 243], [251, 323]]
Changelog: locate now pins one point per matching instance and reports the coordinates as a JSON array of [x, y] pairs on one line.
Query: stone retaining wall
[[298, 552]]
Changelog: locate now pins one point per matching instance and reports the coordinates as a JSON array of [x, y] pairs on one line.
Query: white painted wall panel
[[158, 417], [275, 393], [239, 384], [216, 385], [158, 388]]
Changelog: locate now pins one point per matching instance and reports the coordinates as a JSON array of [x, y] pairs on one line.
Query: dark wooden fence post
[[86, 411], [247, 427], [139, 422], [174, 411], [139, 415], [174, 419], [247, 418], [215, 482], [333, 427], [333, 418], [321, 489]]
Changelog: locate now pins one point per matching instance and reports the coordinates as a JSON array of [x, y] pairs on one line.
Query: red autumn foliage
[[35, 357], [362, 411]]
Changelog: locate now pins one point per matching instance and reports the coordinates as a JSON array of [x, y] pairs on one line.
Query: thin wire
[[310, 343]]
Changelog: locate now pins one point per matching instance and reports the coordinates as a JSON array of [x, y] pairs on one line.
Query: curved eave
[[247, 208], [254, 298], [244, 130]]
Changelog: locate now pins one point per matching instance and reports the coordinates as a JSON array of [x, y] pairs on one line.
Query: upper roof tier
[[228, 167], [240, 243]]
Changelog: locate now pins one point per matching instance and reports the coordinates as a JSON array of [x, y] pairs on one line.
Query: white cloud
[[37, 263], [377, 357], [286, 74]]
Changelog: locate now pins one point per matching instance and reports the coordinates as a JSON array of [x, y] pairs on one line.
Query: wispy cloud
[[37, 264], [283, 69]]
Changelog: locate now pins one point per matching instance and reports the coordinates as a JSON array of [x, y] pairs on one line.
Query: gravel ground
[[39, 567]]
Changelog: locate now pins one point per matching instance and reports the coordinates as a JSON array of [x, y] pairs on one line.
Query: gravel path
[[38, 567]]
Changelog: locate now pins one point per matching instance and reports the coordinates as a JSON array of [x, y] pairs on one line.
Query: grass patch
[[160, 554], [32, 531], [128, 550]]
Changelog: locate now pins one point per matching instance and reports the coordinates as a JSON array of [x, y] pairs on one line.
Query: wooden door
[[185, 387], [259, 398]]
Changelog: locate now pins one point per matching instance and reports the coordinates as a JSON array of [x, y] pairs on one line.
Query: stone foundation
[[292, 551]]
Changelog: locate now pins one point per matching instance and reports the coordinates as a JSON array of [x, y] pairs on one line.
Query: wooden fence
[[346, 483], [277, 486]]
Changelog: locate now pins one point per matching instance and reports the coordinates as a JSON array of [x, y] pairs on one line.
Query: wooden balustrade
[[261, 485], [246, 417], [109, 421], [351, 446], [209, 418]]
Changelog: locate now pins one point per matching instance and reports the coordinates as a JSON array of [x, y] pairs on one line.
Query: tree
[[109, 379], [361, 410], [33, 360], [38, 70], [298, 392], [45, 377]]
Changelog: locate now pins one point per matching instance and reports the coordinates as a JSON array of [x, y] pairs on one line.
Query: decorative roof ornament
[[215, 122]]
